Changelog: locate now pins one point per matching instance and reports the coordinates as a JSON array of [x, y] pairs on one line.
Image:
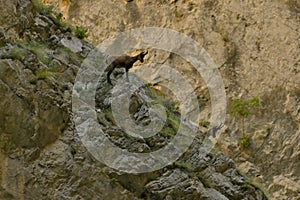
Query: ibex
[[124, 61]]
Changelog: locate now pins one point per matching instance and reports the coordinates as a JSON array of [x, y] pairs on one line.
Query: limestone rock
[[255, 47]]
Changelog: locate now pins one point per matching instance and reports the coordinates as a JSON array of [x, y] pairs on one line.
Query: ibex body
[[124, 61]]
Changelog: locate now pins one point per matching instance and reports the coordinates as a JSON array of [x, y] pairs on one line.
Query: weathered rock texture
[[41, 155], [256, 47]]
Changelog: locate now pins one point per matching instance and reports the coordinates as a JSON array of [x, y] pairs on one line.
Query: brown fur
[[124, 61]]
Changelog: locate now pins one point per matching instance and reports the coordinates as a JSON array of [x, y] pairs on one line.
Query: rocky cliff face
[[41, 155], [256, 47]]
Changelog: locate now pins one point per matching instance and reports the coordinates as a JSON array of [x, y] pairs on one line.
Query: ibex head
[[142, 55]]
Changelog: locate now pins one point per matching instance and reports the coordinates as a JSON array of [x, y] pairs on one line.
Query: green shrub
[[81, 32], [113, 181], [244, 142], [241, 108], [205, 179], [204, 123], [45, 75], [170, 105], [109, 115], [185, 166], [73, 150], [173, 120], [148, 85], [40, 49], [41, 8], [59, 16]]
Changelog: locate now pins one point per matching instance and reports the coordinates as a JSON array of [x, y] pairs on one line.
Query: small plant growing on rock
[[185, 166], [113, 181], [178, 14], [204, 123], [241, 108], [45, 75], [81, 32], [253, 182], [59, 16], [170, 105], [40, 49], [41, 8], [244, 142], [73, 150], [148, 85]]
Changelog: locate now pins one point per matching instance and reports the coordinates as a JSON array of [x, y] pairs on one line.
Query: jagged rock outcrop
[[42, 157]]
